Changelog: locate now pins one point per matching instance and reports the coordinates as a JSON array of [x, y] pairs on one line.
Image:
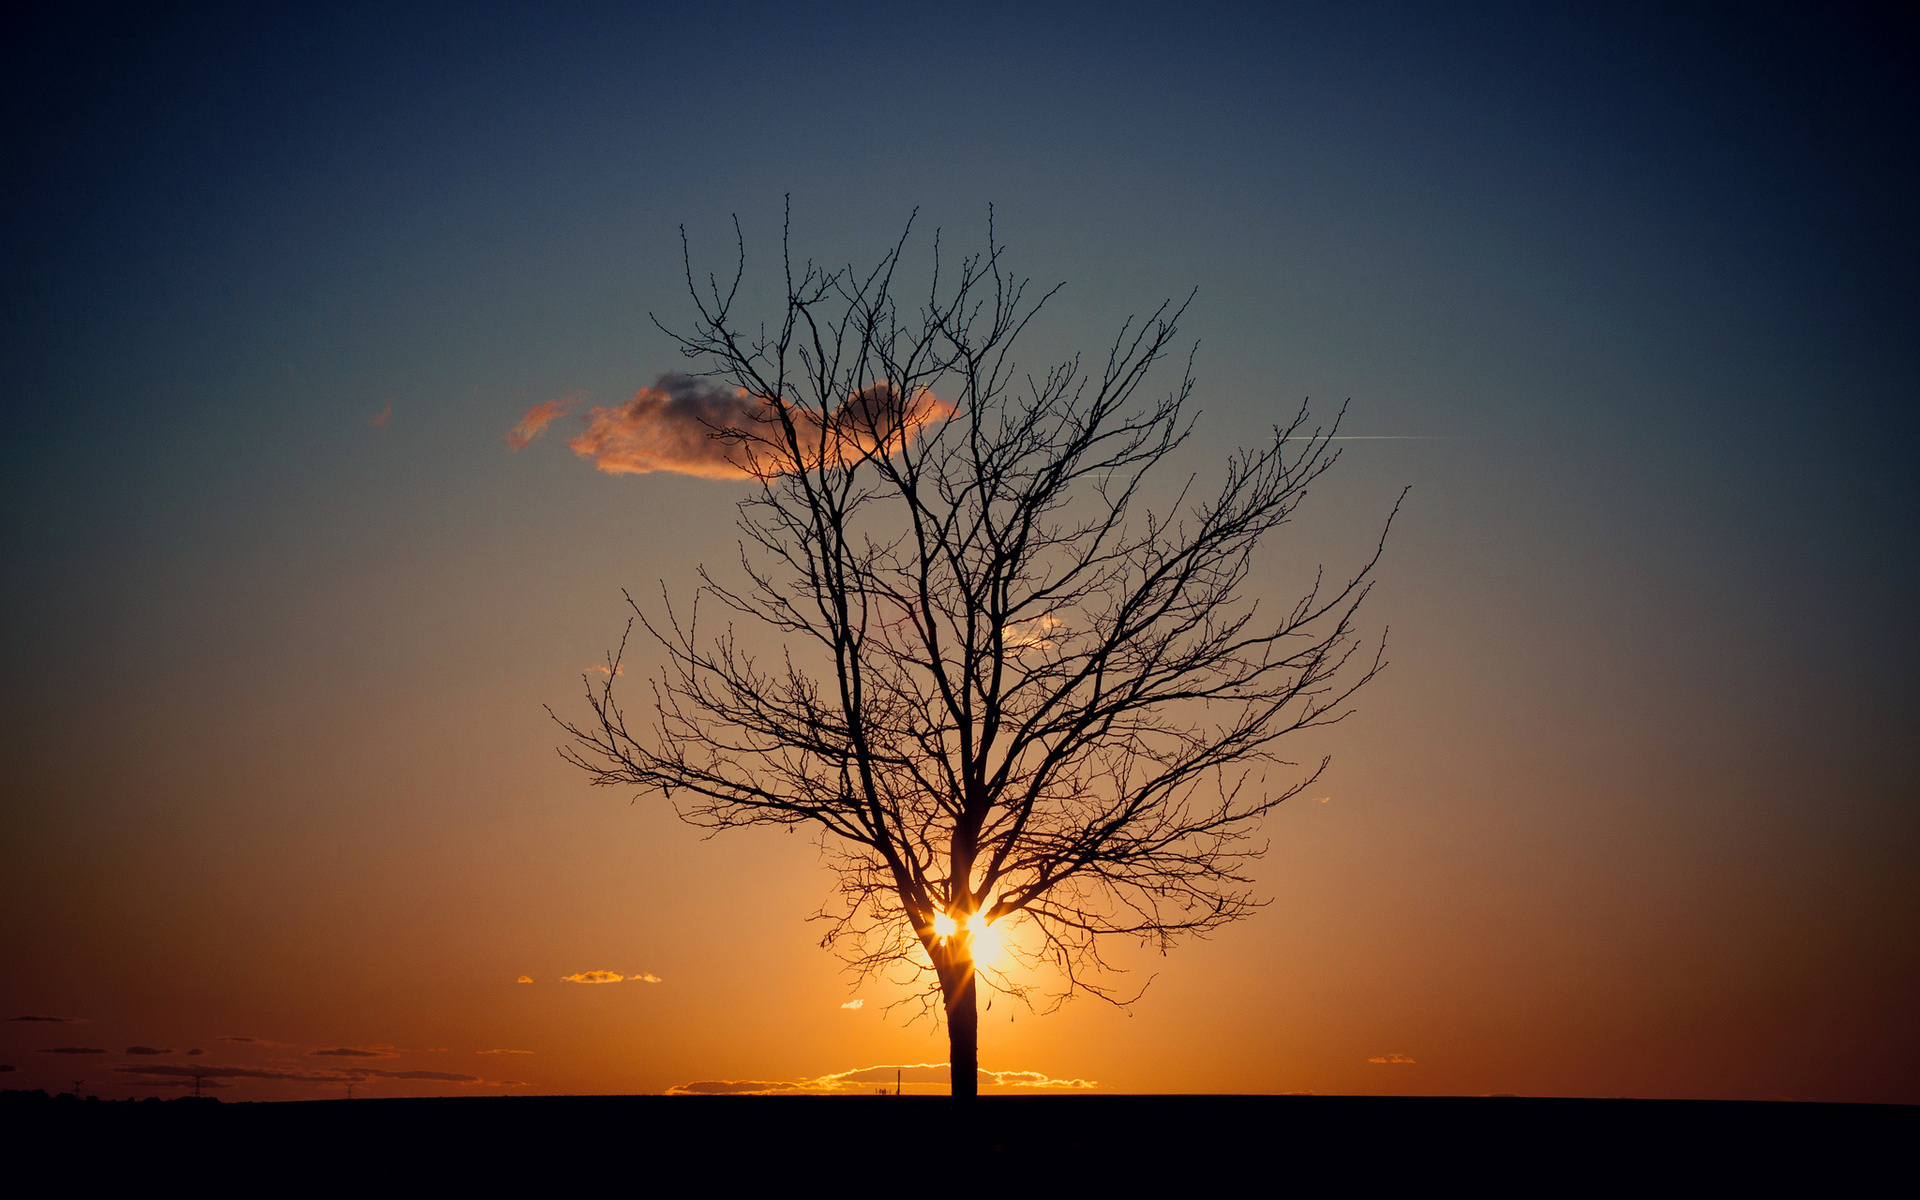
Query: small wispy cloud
[[73, 1050], [854, 1004], [54, 1020], [1393, 1059], [146, 1050], [536, 421], [524, 979], [609, 977], [236, 1039], [615, 669], [380, 419], [503, 1052]]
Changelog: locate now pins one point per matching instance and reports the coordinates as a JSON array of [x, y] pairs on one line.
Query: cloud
[[922, 1078], [503, 1052], [56, 1020], [693, 426], [524, 979], [194, 1051], [440, 1076], [1393, 1058], [73, 1050], [609, 977], [1032, 634], [349, 1052], [173, 1072], [379, 420], [236, 1039], [1036, 1079], [5, 1067], [536, 421], [146, 1050], [854, 1004], [616, 669]]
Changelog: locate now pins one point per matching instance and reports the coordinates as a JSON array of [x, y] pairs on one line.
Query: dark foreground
[[882, 1144]]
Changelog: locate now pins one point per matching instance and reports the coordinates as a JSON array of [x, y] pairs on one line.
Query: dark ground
[[881, 1144]]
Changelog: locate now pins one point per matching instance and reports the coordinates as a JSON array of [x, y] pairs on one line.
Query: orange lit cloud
[[854, 1004], [503, 1052], [693, 426], [379, 420], [1034, 634], [921, 1078], [609, 977], [524, 979], [1400, 1059], [536, 421]]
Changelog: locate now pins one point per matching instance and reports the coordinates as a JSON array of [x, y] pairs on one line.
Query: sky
[[1625, 296]]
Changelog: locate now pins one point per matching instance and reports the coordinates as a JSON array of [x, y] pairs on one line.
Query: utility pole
[[76, 1088], [896, 1081]]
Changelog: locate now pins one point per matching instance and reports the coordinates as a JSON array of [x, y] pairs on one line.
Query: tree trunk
[[963, 1038]]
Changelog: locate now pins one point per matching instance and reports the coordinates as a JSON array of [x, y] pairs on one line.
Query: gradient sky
[[1633, 812]]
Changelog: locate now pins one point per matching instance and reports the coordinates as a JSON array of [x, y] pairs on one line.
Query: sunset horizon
[[1260, 552]]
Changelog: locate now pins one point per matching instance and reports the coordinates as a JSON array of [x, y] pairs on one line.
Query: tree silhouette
[[1010, 699]]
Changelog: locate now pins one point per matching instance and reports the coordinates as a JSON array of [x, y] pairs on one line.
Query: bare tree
[[1010, 698]]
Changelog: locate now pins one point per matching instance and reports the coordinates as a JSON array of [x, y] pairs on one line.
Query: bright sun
[[986, 939]]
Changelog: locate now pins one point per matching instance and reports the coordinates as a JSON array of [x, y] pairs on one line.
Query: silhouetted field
[[884, 1144]]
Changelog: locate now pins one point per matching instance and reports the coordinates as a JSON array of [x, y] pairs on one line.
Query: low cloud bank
[[349, 1052], [341, 1075], [917, 1078]]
